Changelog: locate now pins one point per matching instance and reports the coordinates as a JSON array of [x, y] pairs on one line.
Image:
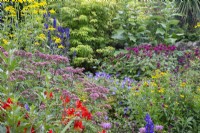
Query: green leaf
[[163, 25], [67, 126], [119, 34], [173, 22], [160, 31], [132, 38]]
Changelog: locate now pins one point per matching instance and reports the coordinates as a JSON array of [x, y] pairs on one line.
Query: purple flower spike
[[46, 26], [67, 32], [54, 23], [149, 124]]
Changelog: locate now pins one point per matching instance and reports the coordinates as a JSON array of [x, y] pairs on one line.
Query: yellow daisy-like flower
[[51, 29], [5, 41], [162, 90], [11, 35], [37, 43], [42, 3], [182, 96], [154, 84], [57, 40], [52, 11], [145, 84], [42, 11], [42, 36], [35, 11], [152, 91], [198, 25], [61, 47], [183, 84]]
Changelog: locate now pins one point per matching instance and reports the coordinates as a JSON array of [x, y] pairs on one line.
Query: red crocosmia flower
[[33, 130], [6, 105], [9, 101], [50, 131], [67, 99], [78, 104], [78, 125], [70, 111], [51, 95], [7, 129], [85, 113]]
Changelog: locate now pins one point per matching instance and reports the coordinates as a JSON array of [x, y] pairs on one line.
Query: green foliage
[[130, 28], [162, 23], [83, 56], [190, 10], [106, 52], [151, 22], [89, 21]]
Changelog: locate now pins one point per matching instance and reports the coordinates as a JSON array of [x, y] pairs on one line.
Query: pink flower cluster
[[96, 91], [55, 58]]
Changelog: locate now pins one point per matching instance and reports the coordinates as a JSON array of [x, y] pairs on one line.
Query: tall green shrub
[[89, 21]]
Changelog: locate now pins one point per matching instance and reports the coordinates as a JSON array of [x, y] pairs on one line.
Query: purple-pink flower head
[[106, 126], [158, 127], [142, 130]]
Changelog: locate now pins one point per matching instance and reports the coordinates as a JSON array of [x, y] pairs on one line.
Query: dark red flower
[[18, 123], [7, 129], [33, 130]]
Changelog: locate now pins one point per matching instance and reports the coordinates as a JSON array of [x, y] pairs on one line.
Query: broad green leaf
[[160, 31], [119, 34]]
